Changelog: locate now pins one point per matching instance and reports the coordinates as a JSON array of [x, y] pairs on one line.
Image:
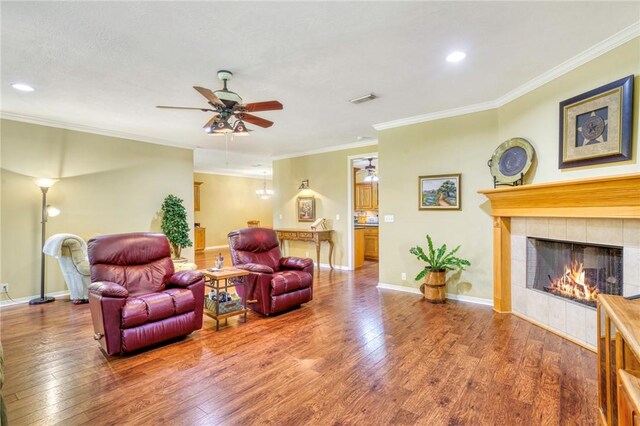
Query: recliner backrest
[[255, 245], [139, 261]]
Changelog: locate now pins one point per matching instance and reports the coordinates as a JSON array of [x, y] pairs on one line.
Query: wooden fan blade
[[210, 122], [262, 106], [177, 107], [257, 120], [211, 97]]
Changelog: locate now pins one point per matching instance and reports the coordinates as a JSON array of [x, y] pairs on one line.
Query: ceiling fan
[[227, 106], [371, 172]]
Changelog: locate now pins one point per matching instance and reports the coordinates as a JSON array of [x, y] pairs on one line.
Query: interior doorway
[[363, 209]]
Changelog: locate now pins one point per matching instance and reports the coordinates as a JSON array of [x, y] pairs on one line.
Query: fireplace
[[574, 271]]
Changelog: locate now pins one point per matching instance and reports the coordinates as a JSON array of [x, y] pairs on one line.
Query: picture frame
[[439, 192], [306, 208], [596, 126]]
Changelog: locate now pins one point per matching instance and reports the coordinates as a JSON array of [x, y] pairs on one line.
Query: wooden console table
[[316, 236]]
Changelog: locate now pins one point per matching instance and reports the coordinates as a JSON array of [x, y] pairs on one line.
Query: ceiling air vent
[[362, 99]]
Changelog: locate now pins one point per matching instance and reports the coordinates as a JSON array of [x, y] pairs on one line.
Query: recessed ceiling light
[[456, 56], [22, 87]]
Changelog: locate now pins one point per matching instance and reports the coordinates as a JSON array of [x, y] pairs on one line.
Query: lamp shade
[[222, 126], [45, 182], [240, 129]]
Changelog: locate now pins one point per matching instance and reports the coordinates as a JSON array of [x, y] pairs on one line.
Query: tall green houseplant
[[174, 224]]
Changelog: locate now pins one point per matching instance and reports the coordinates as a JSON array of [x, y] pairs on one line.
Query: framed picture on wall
[[595, 127], [439, 192], [306, 207]]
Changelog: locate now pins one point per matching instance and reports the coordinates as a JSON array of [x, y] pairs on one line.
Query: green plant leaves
[[174, 222], [438, 259]]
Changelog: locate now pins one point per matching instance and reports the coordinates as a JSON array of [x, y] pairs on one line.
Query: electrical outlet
[[280, 216], [4, 288], [306, 254], [404, 276], [338, 216]]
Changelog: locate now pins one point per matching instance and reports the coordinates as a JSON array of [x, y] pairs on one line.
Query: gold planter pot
[[435, 287]]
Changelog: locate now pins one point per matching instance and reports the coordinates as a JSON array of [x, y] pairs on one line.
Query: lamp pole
[[42, 299]]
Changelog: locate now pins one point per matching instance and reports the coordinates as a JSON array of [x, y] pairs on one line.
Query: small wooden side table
[[219, 281]]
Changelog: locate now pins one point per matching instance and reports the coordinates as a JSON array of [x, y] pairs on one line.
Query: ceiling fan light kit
[[230, 112]]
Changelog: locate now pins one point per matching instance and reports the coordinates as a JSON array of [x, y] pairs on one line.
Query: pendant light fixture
[[264, 193], [371, 172]]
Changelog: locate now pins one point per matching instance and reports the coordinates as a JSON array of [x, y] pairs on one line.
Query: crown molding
[[454, 112], [223, 172], [89, 129], [582, 58], [368, 142]]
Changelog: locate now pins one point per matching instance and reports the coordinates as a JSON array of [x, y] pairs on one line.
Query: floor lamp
[[44, 185]]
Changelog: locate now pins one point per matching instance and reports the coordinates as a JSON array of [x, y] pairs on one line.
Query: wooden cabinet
[[366, 196], [371, 243], [618, 360], [196, 196], [358, 247], [628, 398], [200, 239]]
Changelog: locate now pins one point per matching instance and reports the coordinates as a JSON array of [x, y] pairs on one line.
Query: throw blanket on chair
[[71, 252]]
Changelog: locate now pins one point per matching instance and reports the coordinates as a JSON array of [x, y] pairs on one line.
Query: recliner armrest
[[185, 278], [255, 267], [108, 289], [295, 262]]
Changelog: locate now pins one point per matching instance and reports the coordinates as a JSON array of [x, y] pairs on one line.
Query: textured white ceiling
[[107, 64]]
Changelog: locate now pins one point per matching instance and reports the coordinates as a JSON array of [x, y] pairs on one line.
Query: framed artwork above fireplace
[[596, 126]]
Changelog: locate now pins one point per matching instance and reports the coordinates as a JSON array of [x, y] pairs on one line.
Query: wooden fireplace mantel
[[608, 197]]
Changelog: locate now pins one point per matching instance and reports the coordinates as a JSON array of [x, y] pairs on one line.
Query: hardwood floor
[[354, 355]]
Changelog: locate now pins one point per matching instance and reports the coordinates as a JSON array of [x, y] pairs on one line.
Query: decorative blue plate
[[511, 159]]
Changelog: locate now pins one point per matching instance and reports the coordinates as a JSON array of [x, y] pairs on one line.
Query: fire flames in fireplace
[[572, 284]]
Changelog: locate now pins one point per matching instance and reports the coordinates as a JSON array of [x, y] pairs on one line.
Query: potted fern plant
[[174, 224], [438, 262]]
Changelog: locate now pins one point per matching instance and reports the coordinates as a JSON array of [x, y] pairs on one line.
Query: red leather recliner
[[276, 283], [135, 298]]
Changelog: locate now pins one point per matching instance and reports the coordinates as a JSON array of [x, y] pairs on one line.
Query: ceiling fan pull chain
[[226, 149]]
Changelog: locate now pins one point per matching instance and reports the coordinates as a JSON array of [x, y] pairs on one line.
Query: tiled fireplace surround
[[601, 210], [572, 320]]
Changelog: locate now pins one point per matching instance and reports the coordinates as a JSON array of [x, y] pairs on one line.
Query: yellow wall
[[107, 185], [227, 203], [328, 175], [463, 145], [454, 145]]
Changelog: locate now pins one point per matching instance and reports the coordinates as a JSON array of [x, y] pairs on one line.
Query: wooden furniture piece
[[609, 197], [358, 247], [315, 236], [371, 243], [366, 196], [220, 281], [196, 196], [618, 360], [200, 238], [628, 398]]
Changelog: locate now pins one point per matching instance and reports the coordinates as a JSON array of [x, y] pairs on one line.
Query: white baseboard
[[402, 288], [470, 299], [458, 297], [26, 299], [224, 246], [338, 267]]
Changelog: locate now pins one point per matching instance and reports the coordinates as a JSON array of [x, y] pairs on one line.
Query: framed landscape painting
[[596, 126], [439, 192], [306, 209]]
